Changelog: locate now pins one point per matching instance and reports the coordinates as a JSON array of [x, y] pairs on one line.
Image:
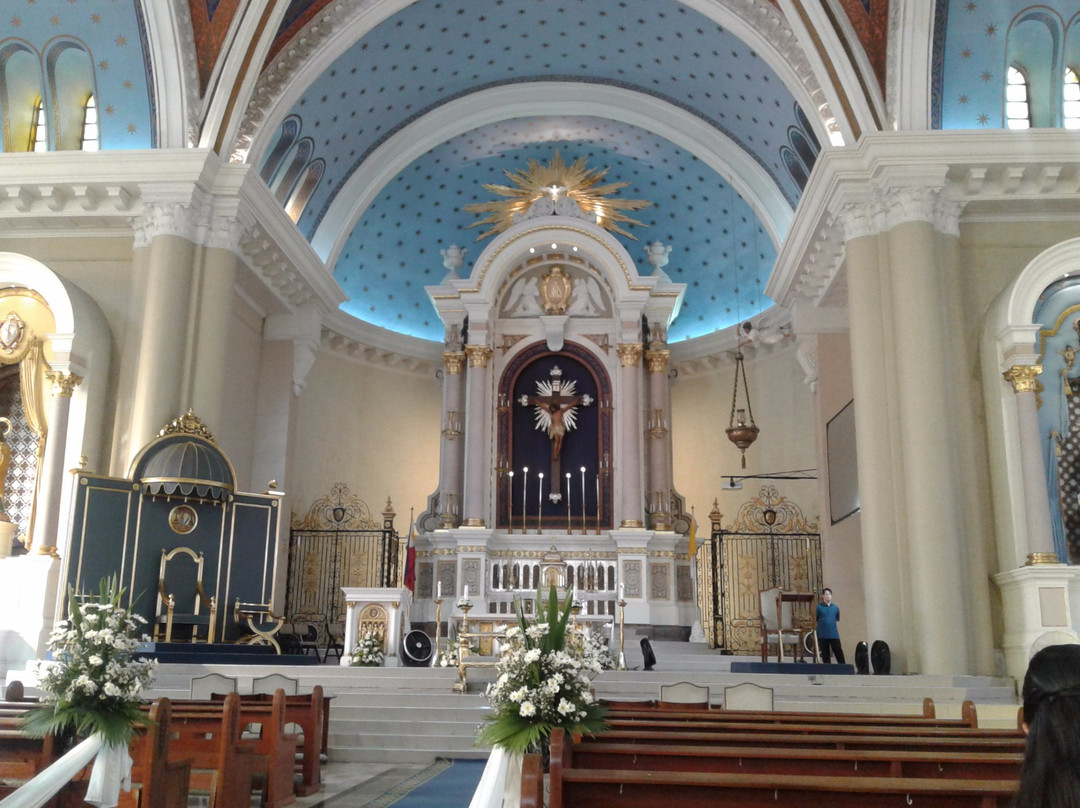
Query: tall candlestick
[[582, 500], [524, 491], [599, 511], [540, 503], [509, 504], [569, 529]]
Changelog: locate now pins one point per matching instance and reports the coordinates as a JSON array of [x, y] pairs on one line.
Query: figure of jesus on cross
[[556, 413]]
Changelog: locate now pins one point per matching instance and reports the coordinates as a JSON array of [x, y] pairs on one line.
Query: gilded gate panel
[[770, 544]]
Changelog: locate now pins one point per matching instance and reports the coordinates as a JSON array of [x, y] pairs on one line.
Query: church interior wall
[[375, 429], [841, 543], [783, 410]]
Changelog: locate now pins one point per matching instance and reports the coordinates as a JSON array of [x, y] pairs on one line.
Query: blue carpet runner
[[444, 784]]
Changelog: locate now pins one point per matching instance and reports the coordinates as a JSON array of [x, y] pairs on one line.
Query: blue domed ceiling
[[434, 52], [718, 245]]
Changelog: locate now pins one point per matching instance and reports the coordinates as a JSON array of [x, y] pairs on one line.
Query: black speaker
[[862, 658], [418, 648], [647, 654], [880, 657]]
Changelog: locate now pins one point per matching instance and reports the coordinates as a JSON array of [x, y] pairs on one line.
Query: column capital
[[479, 355], [629, 354], [657, 360], [165, 218], [63, 384], [453, 361], [1024, 378]]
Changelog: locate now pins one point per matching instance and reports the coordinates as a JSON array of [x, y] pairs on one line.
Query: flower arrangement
[[368, 652], [544, 680], [93, 683]]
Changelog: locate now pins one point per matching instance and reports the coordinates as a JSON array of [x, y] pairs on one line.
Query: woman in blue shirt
[[828, 615]]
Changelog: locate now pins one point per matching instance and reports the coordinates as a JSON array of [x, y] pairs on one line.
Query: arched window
[[20, 85], [294, 165], [90, 139], [39, 128], [795, 167], [1017, 106], [69, 73], [290, 131], [305, 188], [1070, 105]]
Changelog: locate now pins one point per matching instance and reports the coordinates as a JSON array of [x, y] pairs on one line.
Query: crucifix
[[556, 413]]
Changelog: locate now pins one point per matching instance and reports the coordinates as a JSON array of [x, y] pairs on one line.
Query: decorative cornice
[[1024, 378], [279, 73], [629, 354], [164, 219]]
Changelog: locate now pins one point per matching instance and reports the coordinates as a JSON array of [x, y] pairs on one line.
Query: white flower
[[95, 660], [527, 709], [532, 655], [519, 694], [566, 707]]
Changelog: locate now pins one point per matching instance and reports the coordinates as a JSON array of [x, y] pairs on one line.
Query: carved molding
[[630, 354], [1024, 378]]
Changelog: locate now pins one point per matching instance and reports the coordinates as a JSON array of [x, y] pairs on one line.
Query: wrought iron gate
[[339, 544], [771, 544]]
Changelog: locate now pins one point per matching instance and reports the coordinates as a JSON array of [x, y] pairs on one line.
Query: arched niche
[[1010, 338]]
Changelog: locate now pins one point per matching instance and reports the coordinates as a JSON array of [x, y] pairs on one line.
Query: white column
[[883, 571], [214, 310], [628, 455], [161, 371], [477, 436], [657, 427], [53, 473], [1040, 533], [932, 499], [452, 448]]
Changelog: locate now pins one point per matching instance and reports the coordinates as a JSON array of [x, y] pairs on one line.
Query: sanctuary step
[[215, 654], [411, 715]]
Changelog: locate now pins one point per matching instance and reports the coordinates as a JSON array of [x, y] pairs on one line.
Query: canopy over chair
[[181, 598], [779, 623]]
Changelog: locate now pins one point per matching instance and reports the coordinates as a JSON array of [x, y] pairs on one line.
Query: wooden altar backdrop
[[770, 544]]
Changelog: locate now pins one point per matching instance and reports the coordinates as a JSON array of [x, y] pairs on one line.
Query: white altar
[[373, 608]]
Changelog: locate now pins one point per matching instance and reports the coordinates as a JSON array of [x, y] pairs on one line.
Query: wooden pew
[[222, 763], [574, 784], [822, 740], [309, 712], [832, 728], [968, 716], [22, 756], [157, 781], [600, 754], [273, 751]]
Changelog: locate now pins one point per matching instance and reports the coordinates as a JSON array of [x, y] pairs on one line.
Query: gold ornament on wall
[[557, 181]]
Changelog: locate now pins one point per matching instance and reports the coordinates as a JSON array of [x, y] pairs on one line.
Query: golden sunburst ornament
[[556, 181]]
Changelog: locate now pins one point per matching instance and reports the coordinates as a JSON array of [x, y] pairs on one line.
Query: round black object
[[417, 649], [880, 657], [647, 655], [862, 658]]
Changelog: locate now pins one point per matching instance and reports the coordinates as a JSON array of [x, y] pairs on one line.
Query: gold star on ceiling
[[15, 22], [556, 179], [131, 129]]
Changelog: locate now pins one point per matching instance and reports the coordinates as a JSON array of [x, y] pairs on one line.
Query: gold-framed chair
[[778, 623], [181, 599]]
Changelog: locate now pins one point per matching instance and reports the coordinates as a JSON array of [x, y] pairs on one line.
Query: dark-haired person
[[828, 636], [1051, 774]]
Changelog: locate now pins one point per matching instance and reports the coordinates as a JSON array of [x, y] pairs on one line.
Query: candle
[[510, 504], [622, 591], [466, 591], [540, 502], [568, 528], [438, 590], [582, 499], [524, 491]]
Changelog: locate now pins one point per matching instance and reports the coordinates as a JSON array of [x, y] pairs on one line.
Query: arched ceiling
[[434, 53]]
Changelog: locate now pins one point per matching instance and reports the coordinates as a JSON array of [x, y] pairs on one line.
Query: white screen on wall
[[843, 464]]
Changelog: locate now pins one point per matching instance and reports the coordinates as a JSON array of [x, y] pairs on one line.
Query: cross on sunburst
[[553, 180]]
